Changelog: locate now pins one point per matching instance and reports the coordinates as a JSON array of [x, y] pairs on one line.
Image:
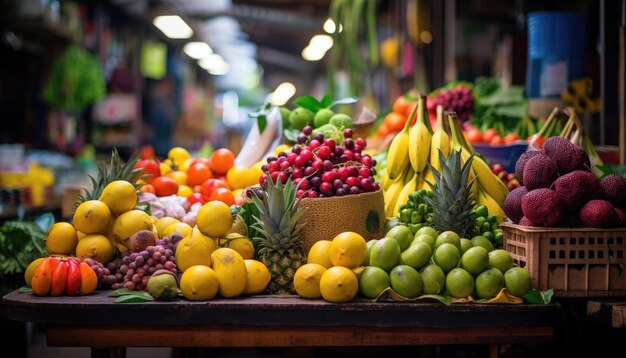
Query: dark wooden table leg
[[108, 352]]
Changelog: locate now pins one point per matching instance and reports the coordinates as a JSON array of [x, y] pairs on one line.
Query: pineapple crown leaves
[[453, 198], [116, 170], [279, 219]]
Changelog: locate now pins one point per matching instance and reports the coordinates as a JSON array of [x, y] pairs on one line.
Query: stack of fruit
[[509, 179], [426, 151], [560, 190], [429, 263]]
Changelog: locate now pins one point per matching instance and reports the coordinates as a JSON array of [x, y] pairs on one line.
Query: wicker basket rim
[[533, 229]]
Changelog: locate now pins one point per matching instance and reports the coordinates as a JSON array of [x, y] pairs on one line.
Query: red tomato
[[205, 161], [224, 195], [400, 105], [511, 138], [165, 186], [222, 160], [196, 198], [409, 108], [209, 186], [150, 168], [148, 188], [489, 134], [146, 152], [197, 173], [496, 140], [536, 140], [239, 201]]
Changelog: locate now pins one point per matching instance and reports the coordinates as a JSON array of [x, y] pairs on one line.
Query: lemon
[[307, 279], [184, 190], [214, 219], [120, 196], [195, 249], [348, 249], [238, 177], [165, 168], [231, 271], [30, 270], [92, 217], [184, 166], [80, 235], [178, 176], [163, 223], [255, 173], [181, 228], [243, 246], [320, 254], [339, 284], [95, 246], [199, 283], [258, 277], [61, 238], [130, 222], [178, 155]]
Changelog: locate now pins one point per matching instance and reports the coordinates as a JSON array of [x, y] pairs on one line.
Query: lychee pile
[[558, 189]]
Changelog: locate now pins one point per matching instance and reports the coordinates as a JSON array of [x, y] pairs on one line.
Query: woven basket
[[325, 218]]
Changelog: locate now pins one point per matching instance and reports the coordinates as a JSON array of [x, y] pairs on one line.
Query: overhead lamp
[[219, 69], [330, 27], [197, 49], [311, 53], [173, 26], [282, 93], [321, 42], [209, 61]]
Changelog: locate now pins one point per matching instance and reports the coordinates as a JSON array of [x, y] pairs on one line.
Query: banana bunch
[[415, 146]]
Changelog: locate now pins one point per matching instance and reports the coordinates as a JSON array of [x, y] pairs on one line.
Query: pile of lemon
[[330, 269]]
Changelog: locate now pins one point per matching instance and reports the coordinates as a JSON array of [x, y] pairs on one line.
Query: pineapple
[[452, 201], [117, 170], [281, 249]]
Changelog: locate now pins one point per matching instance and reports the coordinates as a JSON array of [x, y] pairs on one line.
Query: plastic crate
[[575, 262]]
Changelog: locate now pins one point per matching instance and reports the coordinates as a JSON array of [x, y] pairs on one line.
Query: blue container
[[506, 155], [556, 52]]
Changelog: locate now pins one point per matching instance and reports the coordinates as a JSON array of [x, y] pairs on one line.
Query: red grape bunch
[[458, 99], [137, 267]]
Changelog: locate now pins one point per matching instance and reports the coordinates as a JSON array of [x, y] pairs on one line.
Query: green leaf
[[133, 299], [25, 289], [291, 134], [347, 100], [309, 102], [261, 122], [327, 101], [537, 297], [122, 292]]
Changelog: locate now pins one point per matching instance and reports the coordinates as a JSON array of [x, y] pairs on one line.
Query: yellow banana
[[485, 199], [403, 197], [397, 157], [392, 193], [427, 176], [439, 142], [385, 182], [419, 138], [489, 182]]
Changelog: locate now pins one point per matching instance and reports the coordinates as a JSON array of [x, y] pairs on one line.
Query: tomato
[[382, 130], [409, 108], [536, 140], [210, 185], [165, 186], [146, 152], [394, 121], [222, 160], [150, 168], [488, 134], [196, 198], [511, 138], [197, 173], [205, 161], [224, 195], [401, 104], [473, 135], [496, 140], [239, 200]]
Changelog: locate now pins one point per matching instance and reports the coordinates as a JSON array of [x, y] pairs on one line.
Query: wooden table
[[276, 321]]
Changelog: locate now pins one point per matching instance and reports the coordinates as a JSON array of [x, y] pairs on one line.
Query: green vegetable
[[21, 242], [125, 295]]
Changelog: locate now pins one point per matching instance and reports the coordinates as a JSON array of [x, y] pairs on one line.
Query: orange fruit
[[394, 121], [222, 160], [197, 173], [383, 130], [224, 195]]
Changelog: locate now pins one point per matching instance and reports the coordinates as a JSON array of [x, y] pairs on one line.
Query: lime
[[373, 281], [501, 260], [341, 121], [482, 241], [416, 255], [427, 230], [475, 260], [447, 256], [449, 237], [517, 281], [284, 115], [322, 117], [489, 283], [385, 254], [427, 239], [368, 245], [402, 235], [300, 118], [465, 245], [459, 283], [433, 279], [406, 281], [481, 210]]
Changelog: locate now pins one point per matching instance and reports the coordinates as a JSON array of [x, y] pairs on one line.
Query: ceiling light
[[219, 69], [282, 93], [311, 53], [329, 26], [173, 26], [210, 61], [197, 50], [321, 42]]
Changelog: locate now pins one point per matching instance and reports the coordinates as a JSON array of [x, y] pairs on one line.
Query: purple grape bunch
[[137, 267], [458, 99]]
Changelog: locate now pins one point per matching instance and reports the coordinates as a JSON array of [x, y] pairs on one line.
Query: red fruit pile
[[458, 99], [509, 179], [322, 168]]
